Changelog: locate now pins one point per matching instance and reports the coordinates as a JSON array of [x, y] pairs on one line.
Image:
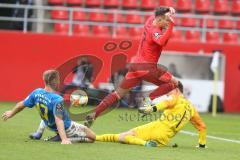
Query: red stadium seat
[[79, 15], [61, 28], [176, 35], [135, 32], [177, 21], [111, 3], [202, 5], [93, 3], [101, 31], [230, 37], [75, 2], [56, 2], [221, 6], [193, 36], [188, 22], [133, 18], [119, 17], [184, 5], [130, 4], [236, 7], [97, 16], [238, 25], [212, 37], [121, 32], [59, 13], [81, 30], [145, 18], [225, 24], [210, 23], [148, 4], [169, 3]]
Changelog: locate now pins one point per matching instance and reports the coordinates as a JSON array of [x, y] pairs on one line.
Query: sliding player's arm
[[9, 114], [61, 130], [58, 114], [197, 122], [27, 102]]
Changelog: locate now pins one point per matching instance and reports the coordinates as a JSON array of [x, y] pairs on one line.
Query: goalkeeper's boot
[[151, 144], [201, 146], [36, 135]]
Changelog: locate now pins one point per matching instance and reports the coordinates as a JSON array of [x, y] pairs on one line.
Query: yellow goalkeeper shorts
[[154, 131]]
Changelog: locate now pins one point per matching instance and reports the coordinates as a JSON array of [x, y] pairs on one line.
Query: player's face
[[56, 83], [162, 21], [173, 92]]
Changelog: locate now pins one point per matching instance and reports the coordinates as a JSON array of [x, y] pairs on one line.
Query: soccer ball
[[78, 98]]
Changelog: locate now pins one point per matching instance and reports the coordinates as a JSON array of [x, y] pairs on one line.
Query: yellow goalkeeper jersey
[[177, 112]]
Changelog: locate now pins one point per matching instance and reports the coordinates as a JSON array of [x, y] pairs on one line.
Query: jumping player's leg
[[164, 80], [126, 85], [162, 90], [110, 99]]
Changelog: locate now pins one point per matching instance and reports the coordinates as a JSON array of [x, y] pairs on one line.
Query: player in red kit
[[143, 66]]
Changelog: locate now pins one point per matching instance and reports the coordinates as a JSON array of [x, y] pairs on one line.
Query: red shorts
[[149, 72]]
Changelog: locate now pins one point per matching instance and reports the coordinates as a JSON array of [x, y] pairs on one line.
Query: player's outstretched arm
[[61, 130], [197, 122], [9, 114], [170, 102]]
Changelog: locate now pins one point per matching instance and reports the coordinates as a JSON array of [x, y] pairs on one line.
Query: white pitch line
[[211, 137]]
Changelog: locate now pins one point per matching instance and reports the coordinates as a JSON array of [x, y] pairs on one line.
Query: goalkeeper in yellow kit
[[177, 112]]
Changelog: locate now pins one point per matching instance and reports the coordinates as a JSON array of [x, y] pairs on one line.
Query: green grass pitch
[[15, 144]]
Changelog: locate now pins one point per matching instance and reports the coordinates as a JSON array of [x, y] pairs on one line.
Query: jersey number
[[43, 111]]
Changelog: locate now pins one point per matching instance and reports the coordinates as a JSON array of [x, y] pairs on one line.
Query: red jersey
[[152, 42]]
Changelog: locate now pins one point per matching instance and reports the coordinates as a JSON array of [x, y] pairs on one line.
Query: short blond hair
[[49, 76]]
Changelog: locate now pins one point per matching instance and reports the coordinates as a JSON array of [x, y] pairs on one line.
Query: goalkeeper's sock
[[134, 140], [41, 127], [106, 102], [108, 138], [202, 137], [161, 90]]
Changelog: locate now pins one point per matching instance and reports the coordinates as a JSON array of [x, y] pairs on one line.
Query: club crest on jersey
[[59, 107], [156, 35]]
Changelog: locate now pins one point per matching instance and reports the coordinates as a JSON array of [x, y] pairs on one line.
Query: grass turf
[[15, 143]]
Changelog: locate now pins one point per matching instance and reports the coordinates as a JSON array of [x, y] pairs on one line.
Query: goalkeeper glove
[[147, 110]]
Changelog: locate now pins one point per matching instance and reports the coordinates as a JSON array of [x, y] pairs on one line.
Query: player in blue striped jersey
[[50, 106]]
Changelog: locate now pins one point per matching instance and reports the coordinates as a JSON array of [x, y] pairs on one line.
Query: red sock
[[161, 90], [106, 102]]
